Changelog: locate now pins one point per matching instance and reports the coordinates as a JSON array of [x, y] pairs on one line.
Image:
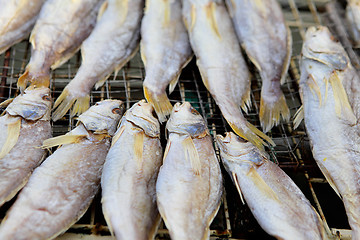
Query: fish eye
[[116, 111], [46, 98], [193, 111]]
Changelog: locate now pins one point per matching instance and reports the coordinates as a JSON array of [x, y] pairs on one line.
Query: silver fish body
[[352, 16], [221, 64], [329, 103], [129, 176], [262, 32], [165, 51], [60, 29], [112, 43], [60, 190], [26, 123], [276, 202], [189, 185], [17, 18]]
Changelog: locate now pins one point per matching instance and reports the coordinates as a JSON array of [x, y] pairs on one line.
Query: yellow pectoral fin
[[191, 154], [117, 135], [288, 56], [238, 186], [342, 106], [139, 147], [13, 132], [210, 14], [123, 6], [329, 178], [261, 184], [61, 140], [314, 87], [168, 145], [167, 13], [6, 103], [102, 10], [193, 18], [299, 116]]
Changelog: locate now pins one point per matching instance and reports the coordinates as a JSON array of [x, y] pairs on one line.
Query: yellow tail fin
[[252, 134], [160, 102], [270, 113], [65, 101], [13, 133], [39, 81]]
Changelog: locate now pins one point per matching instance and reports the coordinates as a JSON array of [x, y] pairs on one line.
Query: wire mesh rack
[[292, 151]]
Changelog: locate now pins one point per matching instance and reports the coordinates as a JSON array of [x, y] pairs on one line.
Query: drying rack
[[292, 151]]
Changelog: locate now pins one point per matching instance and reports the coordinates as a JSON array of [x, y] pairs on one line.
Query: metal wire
[[292, 150]]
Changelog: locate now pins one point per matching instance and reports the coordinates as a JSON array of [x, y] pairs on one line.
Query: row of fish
[[138, 182], [170, 31]]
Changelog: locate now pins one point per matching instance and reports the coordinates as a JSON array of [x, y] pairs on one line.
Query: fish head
[[103, 117], [184, 119], [34, 104], [142, 115], [321, 46], [235, 151]]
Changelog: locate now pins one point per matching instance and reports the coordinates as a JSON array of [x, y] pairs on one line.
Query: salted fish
[[352, 16], [25, 124], [262, 32], [129, 175], [189, 185], [17, 18], [58, 33], [276, 202], [60, 190], [221, 64], [329, 89], [109, 47], [165, 51]]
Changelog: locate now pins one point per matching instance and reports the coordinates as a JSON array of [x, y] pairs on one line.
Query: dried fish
[[129, 175], [109, 47], [353, 20], [23, 127], [276, 202], [58, 33], [17, 18], [329, 88], [262, 32], [189, 185], [62, 188], [165, 51], [221, 64]]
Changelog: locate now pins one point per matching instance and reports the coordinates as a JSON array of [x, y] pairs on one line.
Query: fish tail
[[23, 80], [250, 133], [43, 80], [160, 102], [66, 100], [270, 112]]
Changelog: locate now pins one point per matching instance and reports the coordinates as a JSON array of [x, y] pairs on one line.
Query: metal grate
[[292, 151]]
